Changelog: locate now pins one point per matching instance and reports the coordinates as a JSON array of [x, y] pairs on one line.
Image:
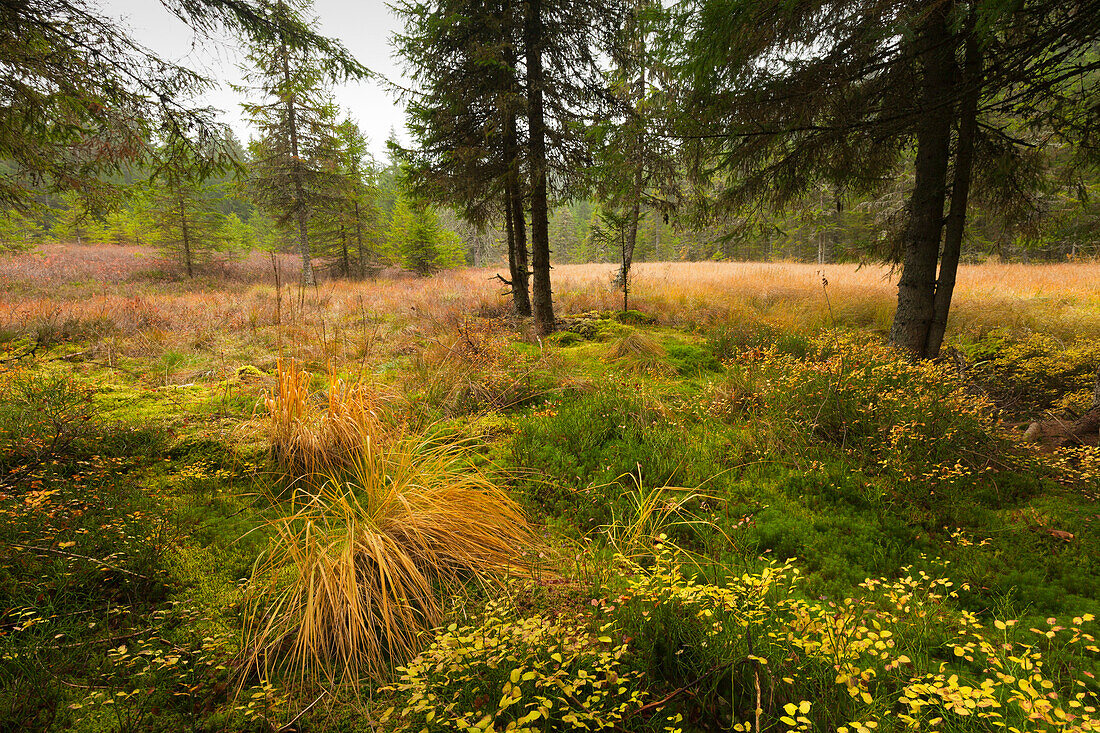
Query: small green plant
[[516, 673], [43, 413]]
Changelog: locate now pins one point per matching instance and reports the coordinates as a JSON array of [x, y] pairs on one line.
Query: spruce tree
[[463, 117], [294, 159], [182, 203], [82, 97], [782, 95]]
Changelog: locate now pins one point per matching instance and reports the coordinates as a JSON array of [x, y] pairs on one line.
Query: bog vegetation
[[717, 365], [390, 504]]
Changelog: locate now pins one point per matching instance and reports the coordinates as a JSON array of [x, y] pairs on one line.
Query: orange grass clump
[[308, 435], [360, 570]]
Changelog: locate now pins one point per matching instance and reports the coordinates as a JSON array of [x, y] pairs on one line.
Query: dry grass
[[311, 431], [1064, 298], [68, 293], [640, 354], [359, 571]]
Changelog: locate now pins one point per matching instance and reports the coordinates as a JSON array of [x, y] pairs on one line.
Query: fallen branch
[[289, 726], [66, 357], [650, 707], [29, 352], [73, 556]]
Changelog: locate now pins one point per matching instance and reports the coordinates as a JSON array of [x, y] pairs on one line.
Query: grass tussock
[[311, 430], [360, 570], [476, 370], [639, 354]]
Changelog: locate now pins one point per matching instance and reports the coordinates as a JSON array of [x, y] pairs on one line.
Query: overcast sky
[[364, 27]]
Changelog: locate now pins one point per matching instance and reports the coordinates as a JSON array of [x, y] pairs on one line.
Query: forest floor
[[745, 511]]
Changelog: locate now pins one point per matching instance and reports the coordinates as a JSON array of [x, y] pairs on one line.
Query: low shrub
[[757, 656], [44, 413], [858, 393], [1032, 373], [509, 672]]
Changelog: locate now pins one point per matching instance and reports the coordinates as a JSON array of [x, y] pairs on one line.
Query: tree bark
[[359, 240], [517, 232], [345, 263], [921, 240], [299, 189], [543, 303], [960, 193], [639, 171], [184, 231]]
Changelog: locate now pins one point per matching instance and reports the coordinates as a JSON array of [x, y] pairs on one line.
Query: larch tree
[[783, 95]]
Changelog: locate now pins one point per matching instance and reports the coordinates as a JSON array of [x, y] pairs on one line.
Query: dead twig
[[29, 352], [650, 707], [73, 556]]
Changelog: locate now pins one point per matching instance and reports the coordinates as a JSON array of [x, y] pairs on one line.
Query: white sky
[[363, 26]]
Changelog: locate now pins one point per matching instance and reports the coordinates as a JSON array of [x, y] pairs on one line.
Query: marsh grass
[[639, 353], [311, 430], [473, 371], [364, 564]]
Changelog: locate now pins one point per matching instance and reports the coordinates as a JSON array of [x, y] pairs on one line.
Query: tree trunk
[[184, 231], [517, 233], [345, 263], [960, 193], [359, 240], [639, 172], [543, 303], [921, 239], [299, 190], [631, 232]]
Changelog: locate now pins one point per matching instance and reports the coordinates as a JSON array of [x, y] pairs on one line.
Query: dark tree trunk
[[921, 239], [639, 168], [631, 232], [184, 230], [359, 240], [299, 189], [510, 236], [517, 232], [543, 303], [960, 193]]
